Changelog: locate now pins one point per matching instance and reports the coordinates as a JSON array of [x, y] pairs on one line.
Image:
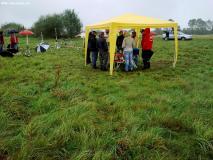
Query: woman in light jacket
[[128, 45]]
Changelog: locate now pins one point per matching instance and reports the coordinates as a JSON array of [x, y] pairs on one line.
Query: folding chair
[[119, 59]]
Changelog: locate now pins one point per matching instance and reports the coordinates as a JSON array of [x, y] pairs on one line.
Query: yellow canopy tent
[[129, 21]]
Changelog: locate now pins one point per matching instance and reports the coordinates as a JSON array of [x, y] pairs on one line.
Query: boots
[[146, 65], [94, 67]]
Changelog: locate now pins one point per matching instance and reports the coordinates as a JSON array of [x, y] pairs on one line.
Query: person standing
[[103, 51], [135, 49], [146, 43], [89, 48], [94, 49], [1, 41], [107, 36], [128, 45], [119, 41], [167, 35], [14, 41]]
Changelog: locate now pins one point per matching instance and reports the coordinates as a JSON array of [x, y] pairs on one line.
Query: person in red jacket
[[146, 43], [13, 41], [1, 41]]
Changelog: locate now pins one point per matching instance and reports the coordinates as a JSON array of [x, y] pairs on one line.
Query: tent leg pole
[[176, 47], [86, 44], [112, 39], [138, 35]]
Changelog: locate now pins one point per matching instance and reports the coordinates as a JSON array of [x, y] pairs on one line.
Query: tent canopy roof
[[132, 20]]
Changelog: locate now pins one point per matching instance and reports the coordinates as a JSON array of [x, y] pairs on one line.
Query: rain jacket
[[13, 39], [147, 40]]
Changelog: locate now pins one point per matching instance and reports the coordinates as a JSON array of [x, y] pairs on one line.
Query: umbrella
[[26, 33], [12, 31], [42, 47]]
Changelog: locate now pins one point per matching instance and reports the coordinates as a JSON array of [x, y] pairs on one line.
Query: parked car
[[181, 36]]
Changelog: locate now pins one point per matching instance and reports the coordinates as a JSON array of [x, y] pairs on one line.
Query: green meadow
[[52, 107]]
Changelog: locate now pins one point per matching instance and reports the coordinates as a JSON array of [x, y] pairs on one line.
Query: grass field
[[52, 107]]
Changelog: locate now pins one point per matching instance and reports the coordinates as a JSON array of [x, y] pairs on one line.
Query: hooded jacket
[[147, 40], [13, 39]]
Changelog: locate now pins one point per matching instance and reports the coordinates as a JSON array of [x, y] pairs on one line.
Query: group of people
[[96, 46], [126, 44], [13, 46]]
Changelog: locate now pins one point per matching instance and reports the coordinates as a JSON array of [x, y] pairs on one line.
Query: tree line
[[195, 26], [66, 24], [199, 26]]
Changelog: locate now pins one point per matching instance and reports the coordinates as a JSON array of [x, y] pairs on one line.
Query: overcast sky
[[91, 11]]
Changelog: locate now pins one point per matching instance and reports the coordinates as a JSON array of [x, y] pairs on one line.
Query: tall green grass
[[53, 107]]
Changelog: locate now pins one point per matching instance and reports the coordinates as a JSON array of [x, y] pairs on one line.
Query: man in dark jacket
[[119, 41], [103, 51], [1, 41], [146, 43], [89, 48], [94, 49]]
